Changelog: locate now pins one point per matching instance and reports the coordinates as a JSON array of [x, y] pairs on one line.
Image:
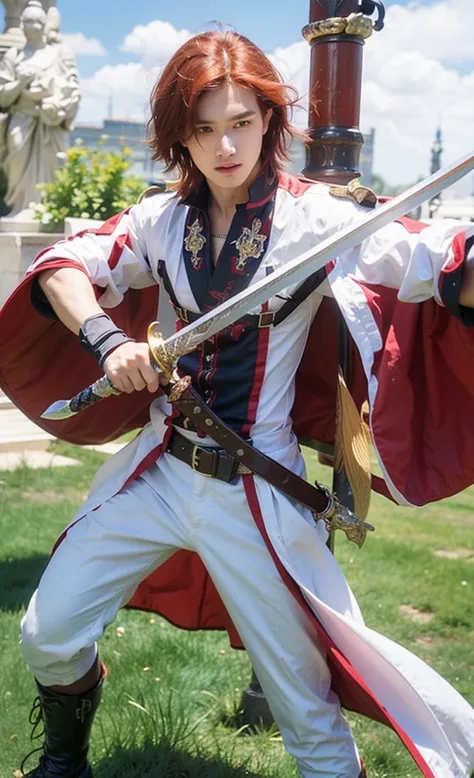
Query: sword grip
[[99, 390]]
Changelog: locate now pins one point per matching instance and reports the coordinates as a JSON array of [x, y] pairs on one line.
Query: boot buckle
[[84, 710]]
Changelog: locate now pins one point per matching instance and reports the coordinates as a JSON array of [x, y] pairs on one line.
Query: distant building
[[298, 157], [367, 158], [445, 205], [461, 208], [115, 134], [436, 153]]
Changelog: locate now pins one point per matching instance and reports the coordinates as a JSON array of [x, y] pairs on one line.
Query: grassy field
[[171, 706]]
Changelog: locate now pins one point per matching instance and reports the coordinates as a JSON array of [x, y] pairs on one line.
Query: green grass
[[171, 706]]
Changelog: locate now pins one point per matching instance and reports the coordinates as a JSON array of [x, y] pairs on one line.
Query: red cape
[[421, 421]]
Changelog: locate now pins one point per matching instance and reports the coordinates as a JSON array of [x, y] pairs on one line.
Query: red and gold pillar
[[336, 32]]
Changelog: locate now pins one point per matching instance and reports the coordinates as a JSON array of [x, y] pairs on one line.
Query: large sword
[[164, 353]]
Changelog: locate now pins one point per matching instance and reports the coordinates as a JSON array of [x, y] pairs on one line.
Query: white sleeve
[[114, 256], [405, 255]]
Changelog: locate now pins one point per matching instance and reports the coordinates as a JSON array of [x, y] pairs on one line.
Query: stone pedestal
[[20, 242]]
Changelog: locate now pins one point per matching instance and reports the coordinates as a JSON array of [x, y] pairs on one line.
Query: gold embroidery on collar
[[250, 244], [194, 242]]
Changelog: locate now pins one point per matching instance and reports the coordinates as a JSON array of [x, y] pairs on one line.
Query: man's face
[[228, 135]]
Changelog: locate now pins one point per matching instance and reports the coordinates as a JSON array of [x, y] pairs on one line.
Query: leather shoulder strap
[[302, 292]]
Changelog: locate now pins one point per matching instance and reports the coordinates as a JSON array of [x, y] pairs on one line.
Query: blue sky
[[270, 23]]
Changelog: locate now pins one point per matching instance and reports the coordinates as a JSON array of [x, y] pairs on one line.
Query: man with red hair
[[220, 118]]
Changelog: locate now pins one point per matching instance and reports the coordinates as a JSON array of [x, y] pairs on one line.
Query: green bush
[[90, 184]]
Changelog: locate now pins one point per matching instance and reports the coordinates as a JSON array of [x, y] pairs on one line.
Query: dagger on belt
[[165, 353]]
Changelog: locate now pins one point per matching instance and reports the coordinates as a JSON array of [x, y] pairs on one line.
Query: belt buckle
[[266, 319], [195, 462], [181, 313], [84, 710]]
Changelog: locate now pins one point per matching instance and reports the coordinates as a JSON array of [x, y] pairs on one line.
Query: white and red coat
[[398, 294]]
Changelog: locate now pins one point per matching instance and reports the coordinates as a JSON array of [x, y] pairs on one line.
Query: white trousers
[[103, 558]]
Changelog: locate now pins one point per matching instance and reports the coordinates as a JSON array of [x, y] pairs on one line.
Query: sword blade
[[293, 272], [309, 262]]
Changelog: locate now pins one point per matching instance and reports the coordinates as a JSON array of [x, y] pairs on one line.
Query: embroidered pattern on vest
[[194, 243], [220, 296], [246, 243], [250, 244]]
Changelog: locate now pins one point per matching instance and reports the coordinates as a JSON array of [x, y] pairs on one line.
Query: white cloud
[[410, 82], [155, 43], [82, 45], [410, 87], [292, 63], [441, 30], [129, 85]]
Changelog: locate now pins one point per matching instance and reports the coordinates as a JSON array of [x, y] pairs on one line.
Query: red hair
[[206, 62]]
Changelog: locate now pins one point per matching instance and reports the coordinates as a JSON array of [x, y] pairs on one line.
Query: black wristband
[[99, 336]]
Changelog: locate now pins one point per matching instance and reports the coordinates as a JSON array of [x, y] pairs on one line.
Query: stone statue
[[13, 35], [39, 97]]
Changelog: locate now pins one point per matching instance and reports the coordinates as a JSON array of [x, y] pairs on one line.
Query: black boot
[[67, 726]]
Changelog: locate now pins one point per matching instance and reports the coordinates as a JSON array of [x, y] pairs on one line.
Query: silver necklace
[[216, 235]]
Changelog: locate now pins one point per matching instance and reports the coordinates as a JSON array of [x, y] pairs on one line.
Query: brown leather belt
[[206, 460], [181, 394]]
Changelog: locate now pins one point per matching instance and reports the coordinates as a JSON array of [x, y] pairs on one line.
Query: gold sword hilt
[[159, 353]]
